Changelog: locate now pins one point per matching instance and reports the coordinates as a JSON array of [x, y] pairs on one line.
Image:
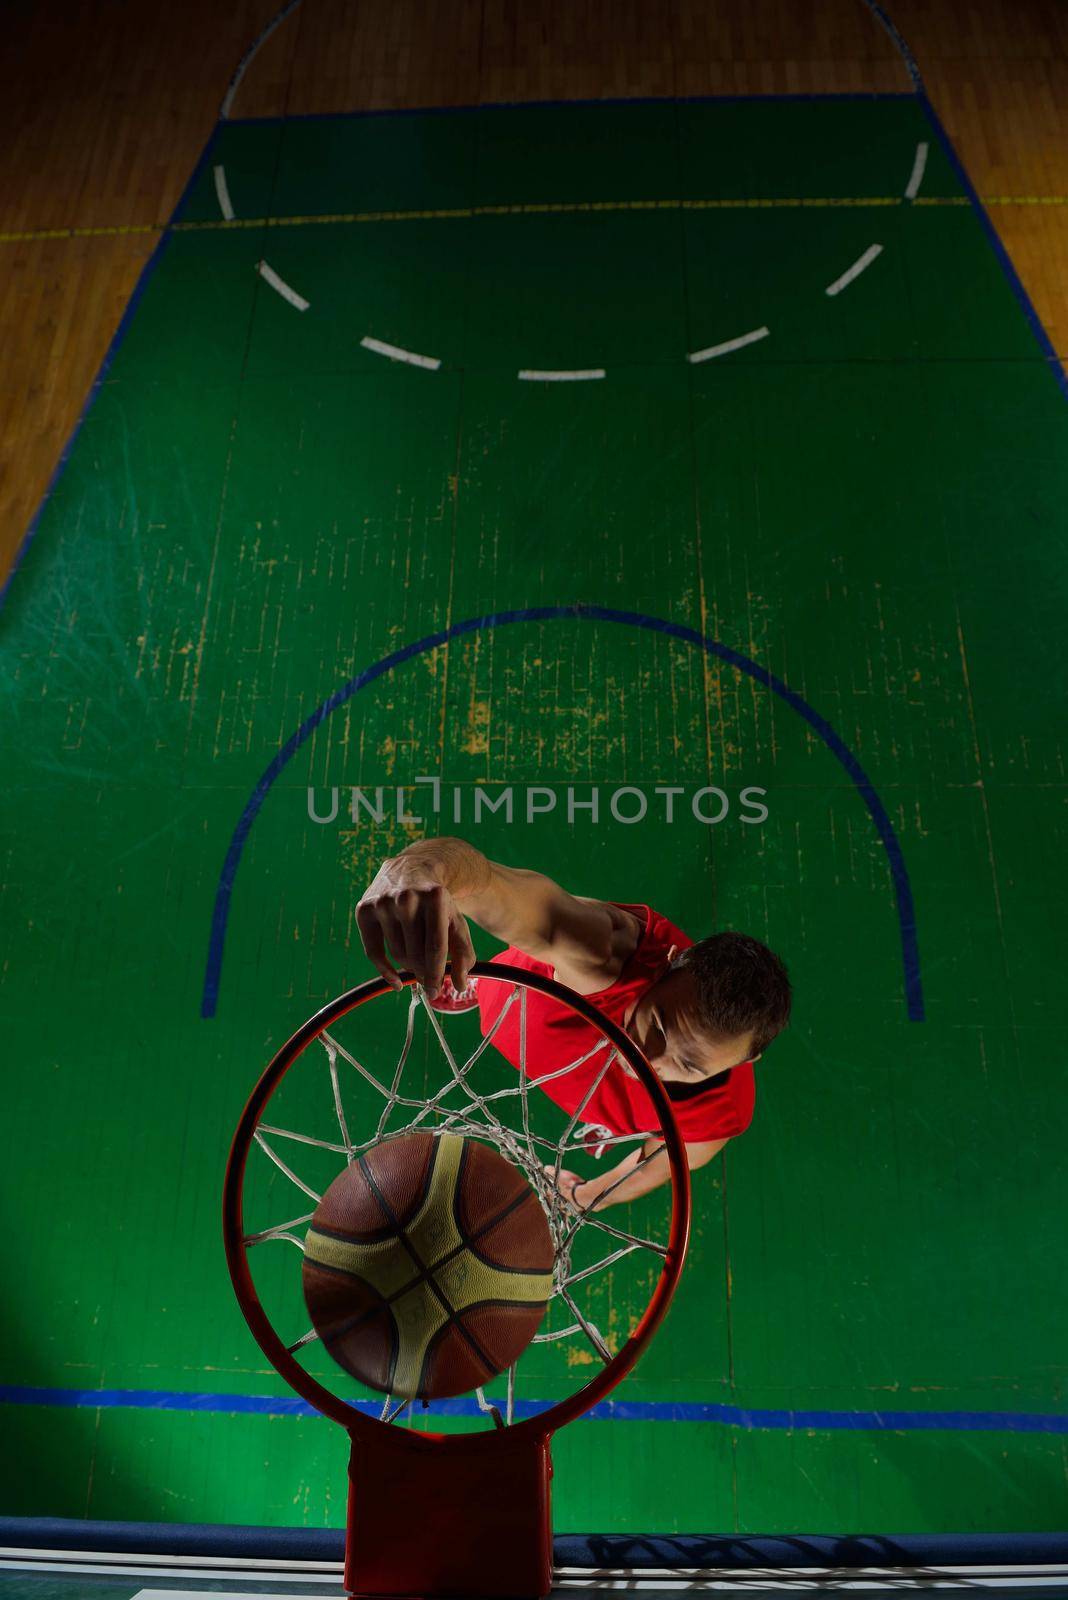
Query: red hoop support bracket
[[451, 1514]]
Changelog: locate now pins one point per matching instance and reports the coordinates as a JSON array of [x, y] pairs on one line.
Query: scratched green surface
[[868, 503]]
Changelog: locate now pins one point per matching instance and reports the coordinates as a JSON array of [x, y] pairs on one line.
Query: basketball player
[[701, 1013]]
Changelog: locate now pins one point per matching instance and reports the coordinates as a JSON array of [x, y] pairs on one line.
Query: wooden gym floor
[[105, 109]]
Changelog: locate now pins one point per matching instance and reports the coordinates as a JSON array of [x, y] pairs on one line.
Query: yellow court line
[[80, 233], [542, 208]]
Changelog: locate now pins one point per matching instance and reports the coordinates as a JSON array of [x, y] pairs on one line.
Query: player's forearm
[[514, 904], [635, 1176]]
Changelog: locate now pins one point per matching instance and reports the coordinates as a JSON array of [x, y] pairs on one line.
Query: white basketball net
[[458, 1108]]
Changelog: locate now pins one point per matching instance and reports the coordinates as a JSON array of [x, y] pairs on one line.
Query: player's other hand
[[408, 919], [567, 1183]]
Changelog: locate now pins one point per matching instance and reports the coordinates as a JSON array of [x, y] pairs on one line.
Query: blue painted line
[[568, 105], [847, 1421], [221, 909], [146, 274], [906, 914], [1042, 338], [887, 22], [195, 176], [749, 1419], [799, 95]]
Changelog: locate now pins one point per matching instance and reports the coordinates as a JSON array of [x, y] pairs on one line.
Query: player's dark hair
[[742, 987]]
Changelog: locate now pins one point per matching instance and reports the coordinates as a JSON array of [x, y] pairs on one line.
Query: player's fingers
[[408, 911], [461, 951], [370, 926], [435, 927], [397, 937]]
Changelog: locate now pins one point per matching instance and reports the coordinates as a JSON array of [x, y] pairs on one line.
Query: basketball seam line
[[468, 1241], [424, 1274], [380, 1235], [450, 1310]]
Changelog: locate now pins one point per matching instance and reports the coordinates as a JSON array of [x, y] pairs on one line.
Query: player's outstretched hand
[[567, 1183], [408, 919]]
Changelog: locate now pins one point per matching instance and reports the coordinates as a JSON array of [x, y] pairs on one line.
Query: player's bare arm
[[414, 916], [640, 1172]]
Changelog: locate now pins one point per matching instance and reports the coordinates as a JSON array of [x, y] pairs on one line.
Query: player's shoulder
[[625, 933], [629, 929]]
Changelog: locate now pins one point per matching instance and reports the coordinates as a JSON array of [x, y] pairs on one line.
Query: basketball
[[428, 1266]]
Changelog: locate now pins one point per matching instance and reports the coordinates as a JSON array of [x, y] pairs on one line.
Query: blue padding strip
[[174, 1539], [611, 1550], [810, 1550]]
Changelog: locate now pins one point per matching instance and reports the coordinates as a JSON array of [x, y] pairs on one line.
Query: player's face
[[663, 1024]]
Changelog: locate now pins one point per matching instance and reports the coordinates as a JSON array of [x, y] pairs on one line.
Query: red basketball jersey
[[556, 1036]]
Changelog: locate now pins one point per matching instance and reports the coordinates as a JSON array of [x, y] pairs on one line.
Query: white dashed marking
[[567, 375], [855, 270], [715, 350], [269, 275], [395, 353], [223, 194], [919, 166]]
